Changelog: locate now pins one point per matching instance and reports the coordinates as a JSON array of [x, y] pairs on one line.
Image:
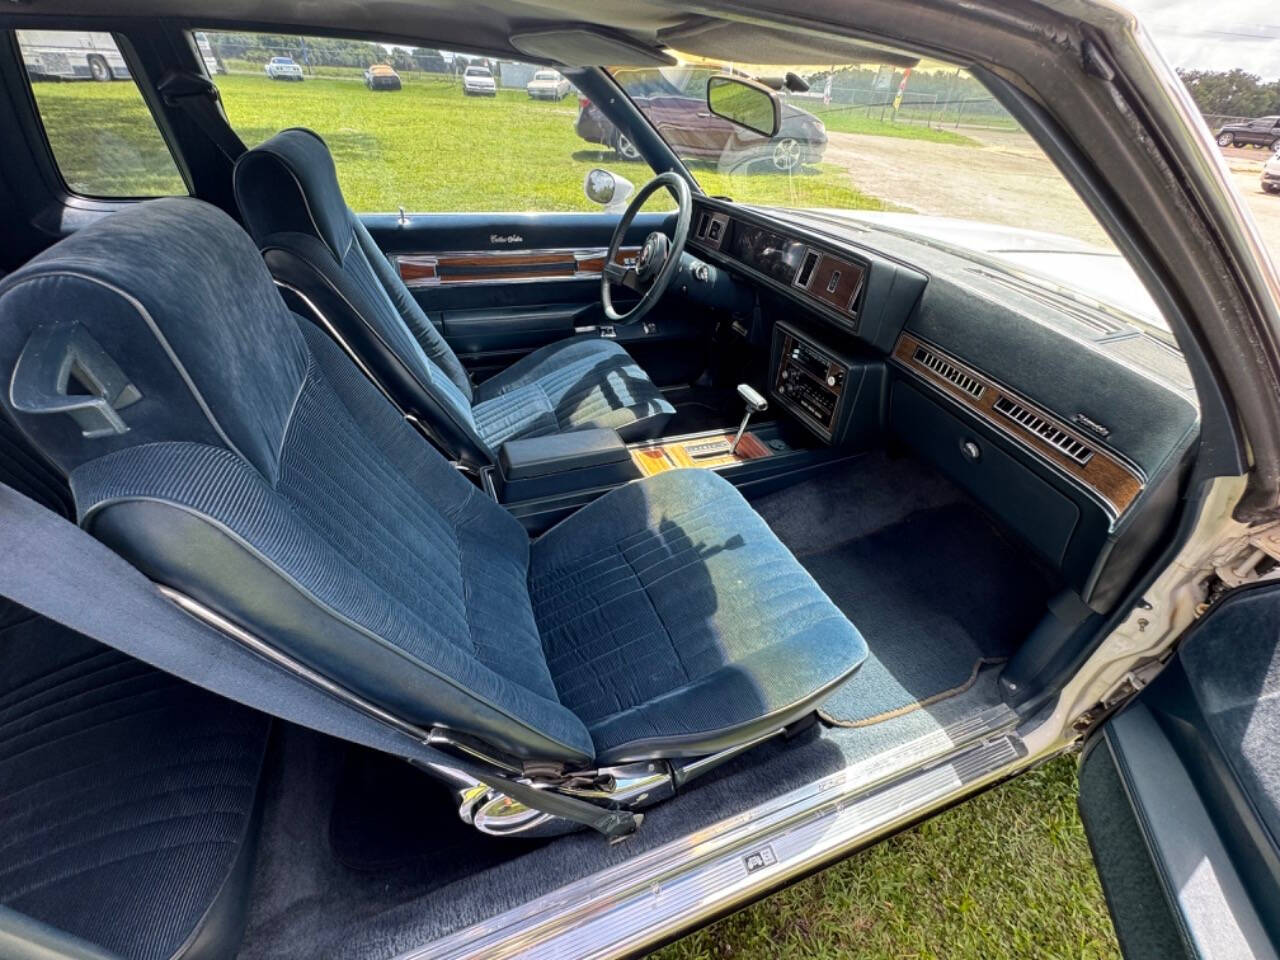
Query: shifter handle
[[755, 402]]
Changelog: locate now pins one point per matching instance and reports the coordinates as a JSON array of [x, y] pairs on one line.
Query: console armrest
[[561, 452]]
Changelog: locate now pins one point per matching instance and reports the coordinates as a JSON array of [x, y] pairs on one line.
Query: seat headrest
[[159, 323], [289, 185]]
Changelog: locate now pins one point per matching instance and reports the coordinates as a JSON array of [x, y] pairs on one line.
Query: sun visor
[[584, 47], [735, 42]]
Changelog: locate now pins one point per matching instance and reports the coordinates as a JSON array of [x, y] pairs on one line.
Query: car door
[[499, 286], [1180, 793]]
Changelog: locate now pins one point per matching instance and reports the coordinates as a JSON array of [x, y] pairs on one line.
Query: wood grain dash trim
[[1117, 483], [484, 266]]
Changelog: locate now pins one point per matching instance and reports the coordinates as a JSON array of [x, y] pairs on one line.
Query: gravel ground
[[1004, 178]]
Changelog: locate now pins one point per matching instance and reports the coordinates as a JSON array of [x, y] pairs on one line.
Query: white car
[[547, 85], [283, 68], [478, 82], [1271, 174]]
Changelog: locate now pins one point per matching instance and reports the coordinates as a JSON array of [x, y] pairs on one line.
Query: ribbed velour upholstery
[[668, 610], [665, 614], [574, 384], [288, 192], [126, 796]]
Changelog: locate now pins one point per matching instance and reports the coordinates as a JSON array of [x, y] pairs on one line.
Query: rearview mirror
[[745, 103], [608, 189]]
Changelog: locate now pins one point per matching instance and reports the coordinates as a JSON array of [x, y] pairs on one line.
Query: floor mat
[[937, 596]]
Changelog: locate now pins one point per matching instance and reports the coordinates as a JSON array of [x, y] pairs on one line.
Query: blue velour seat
[[250, 465], [288, 193]]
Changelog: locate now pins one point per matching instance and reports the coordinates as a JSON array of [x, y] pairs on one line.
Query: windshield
[[282, 60], [925, 151], [544, 75], [477, 72]]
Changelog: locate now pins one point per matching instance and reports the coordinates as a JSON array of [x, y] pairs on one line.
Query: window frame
[[38, 134]]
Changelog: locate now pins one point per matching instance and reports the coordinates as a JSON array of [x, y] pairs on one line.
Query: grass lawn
[[426, 148], [842, 118], [1006, 875]]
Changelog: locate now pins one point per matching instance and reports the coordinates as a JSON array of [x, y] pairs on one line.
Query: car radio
[[808, 380]]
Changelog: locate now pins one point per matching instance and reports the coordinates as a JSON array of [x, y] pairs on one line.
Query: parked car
[[1263, 132], [547, 85], [283, 68], [679, 111], [478, 82], [381, 76], [1271, 174]]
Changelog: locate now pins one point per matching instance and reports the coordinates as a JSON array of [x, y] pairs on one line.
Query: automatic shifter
[[755, 404]]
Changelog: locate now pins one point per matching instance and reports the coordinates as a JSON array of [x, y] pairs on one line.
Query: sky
[[1237, 33]]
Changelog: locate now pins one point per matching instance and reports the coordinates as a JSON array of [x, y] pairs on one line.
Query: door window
[[430, 145]]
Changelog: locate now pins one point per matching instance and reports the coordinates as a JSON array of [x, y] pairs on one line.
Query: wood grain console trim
[[1115, 481], [504, 266]]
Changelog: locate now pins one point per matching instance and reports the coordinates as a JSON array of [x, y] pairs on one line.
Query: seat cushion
[[676, 624], [127, 797], [570, 385]]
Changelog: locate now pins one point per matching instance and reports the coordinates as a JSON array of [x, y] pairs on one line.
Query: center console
[[823, 388]]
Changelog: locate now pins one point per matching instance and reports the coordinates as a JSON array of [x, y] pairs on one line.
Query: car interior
[[665, 514]]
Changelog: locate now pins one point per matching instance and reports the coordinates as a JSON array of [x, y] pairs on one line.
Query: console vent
[[1043, 429], [948, 371], [702, 224]]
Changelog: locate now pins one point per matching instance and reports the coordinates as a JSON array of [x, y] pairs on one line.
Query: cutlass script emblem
[[1090, 424], [509, 238]]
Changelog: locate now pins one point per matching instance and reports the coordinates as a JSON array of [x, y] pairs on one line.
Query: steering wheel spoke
[[658, 259], [622, 276]]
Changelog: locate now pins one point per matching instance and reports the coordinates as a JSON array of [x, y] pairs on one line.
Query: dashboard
[[1071, 428]]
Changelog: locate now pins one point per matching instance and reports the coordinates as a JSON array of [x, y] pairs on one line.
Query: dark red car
[[680, 114]]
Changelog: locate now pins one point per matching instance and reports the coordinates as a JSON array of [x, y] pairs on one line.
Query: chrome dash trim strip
[[624, 909]]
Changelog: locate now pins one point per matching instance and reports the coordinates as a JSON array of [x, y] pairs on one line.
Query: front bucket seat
[[234, 454], [288, 193]]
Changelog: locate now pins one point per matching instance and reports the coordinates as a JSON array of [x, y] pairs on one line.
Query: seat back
[[315, 245], [232, 452]]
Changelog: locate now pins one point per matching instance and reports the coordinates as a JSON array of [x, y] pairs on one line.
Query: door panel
[[501, 285], [1180, 794]]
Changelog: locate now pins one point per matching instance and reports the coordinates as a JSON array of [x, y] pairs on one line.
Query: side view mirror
[[745, 103], [607, 189]]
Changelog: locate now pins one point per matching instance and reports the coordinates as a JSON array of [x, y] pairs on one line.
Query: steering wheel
[[659, 257]]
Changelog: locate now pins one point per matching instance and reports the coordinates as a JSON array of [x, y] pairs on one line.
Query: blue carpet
[[936, 595]]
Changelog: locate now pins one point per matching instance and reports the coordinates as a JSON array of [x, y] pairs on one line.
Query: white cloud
[[1238, 33]]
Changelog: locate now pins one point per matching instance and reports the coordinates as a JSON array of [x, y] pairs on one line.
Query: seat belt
[[54, 568], [198, 98]]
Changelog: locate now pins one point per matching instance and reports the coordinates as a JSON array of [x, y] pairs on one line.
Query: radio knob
[[786, 374], [831, 380]]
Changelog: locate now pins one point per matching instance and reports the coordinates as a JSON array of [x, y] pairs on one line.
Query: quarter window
[[103, 137]]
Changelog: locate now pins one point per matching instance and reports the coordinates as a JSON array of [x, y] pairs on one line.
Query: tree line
[[1235, 93]]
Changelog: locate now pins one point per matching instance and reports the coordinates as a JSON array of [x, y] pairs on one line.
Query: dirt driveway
[[1007, 180]]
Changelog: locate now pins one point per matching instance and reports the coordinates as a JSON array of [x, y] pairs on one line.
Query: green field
[[426, 148], [1006, 876]]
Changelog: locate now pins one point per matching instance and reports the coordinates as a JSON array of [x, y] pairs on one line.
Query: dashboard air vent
[[1043, 429], [702, 224], [806, 268], [948, 371]]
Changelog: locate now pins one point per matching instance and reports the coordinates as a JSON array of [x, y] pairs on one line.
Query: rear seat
[[128, 798]]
